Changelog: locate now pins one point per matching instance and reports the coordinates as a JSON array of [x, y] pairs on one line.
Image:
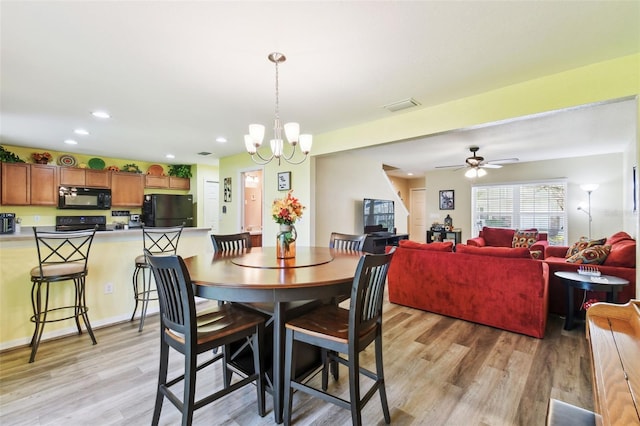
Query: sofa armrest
[[541, 246], [476, 242], [555, 251]]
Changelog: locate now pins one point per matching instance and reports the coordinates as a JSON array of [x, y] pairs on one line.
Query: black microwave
[[72, 197]]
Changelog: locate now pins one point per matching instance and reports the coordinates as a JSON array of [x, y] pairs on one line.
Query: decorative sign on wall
[[447, 201], [227, 190], [284, 181]]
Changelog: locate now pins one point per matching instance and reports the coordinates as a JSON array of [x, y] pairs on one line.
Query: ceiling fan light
[[471, 173], [482, 172]]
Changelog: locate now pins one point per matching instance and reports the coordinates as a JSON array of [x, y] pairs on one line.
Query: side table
[[607, 283]]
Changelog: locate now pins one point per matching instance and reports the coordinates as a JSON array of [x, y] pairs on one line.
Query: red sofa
[[621, 262], [503, 237], [474, 284]]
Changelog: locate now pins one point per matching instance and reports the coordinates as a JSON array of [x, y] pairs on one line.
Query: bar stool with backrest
[[62, 256], [344, 331], [192, 334], [347, 241], [158, 241], [231, 242]]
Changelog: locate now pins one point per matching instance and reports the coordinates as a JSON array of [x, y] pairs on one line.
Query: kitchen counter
[[26, 233]]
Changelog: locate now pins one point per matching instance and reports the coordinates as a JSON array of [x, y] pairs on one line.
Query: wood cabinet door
[[72, 177], [179, 183], [97, 178], [44, 185], [127, 189], [151, 181], [16, 184]]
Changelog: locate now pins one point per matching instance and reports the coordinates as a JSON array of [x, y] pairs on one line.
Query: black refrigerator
[[167, 210]]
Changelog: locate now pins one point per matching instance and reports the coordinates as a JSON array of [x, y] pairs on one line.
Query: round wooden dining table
[[256, 275]]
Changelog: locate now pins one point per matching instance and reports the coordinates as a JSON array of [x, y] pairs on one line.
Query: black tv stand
[[375, 243]]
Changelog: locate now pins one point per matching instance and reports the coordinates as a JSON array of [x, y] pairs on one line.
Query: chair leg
[[146, 289], [289, 368], [380, 374], [162, 380], [39, 315], [326, 364], [136, 272], [258, 365], [227, 373], [188, 401], [82, 302], [354, 387]]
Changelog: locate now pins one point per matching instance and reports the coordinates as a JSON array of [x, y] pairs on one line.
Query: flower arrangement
[[41, 158], [287, 210]]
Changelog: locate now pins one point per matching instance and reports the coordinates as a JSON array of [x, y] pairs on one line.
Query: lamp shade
[[292, 131], [306, 141], [589, 187], [257, 133]]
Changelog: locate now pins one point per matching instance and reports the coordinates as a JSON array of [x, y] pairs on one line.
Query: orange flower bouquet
[[41, 158]]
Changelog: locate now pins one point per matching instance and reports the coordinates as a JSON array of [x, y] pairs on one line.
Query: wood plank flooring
[[439, 371]]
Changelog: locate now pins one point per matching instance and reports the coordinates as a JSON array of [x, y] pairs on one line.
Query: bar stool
[[62, 256], [158, 241]]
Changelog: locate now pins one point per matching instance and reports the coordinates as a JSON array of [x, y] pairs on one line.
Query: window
[[522, 206]]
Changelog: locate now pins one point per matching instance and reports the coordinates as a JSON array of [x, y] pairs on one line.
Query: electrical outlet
[[108, 288]]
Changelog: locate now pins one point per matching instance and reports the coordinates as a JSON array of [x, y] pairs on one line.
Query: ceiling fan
[[476, 164]]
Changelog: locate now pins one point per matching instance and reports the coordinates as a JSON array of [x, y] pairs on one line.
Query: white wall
[[342, 181]]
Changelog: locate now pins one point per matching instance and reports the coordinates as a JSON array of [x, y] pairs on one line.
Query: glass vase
[[286, 242]]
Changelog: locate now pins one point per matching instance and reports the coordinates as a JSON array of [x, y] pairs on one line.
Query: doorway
[[418, 216], [252, 205]]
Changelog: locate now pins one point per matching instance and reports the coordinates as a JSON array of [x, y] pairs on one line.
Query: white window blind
[[522, 206]]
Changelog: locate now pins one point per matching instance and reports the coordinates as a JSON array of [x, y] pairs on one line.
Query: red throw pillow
[[622, 254], [594, 255], [520, 252], [524, 238], [437, 246], [497, 237], [582, 244], [617, 237]]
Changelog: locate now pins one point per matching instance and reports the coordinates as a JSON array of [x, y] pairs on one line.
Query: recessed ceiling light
[[221, 139], [170, 156], [409, 174], [101, 114], [70, 142], [82, 132]]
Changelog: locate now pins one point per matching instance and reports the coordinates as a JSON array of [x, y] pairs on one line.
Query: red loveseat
[[621, 262], [503, 237], [480, 285]]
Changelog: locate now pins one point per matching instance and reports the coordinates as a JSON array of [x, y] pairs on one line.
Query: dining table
[[256, 275]]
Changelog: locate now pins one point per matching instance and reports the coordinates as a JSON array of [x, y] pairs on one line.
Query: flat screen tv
[[378, 215]]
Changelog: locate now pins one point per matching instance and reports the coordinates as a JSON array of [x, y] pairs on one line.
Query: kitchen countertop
[[26, 232]]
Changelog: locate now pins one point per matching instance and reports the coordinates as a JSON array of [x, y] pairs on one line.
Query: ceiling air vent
[[204, 153], [403, 104]]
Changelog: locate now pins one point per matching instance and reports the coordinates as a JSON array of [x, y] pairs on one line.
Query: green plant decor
[[131, 168], [180, 170], [9, 157]]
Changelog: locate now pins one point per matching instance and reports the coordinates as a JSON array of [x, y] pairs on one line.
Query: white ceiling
[[177, 74]]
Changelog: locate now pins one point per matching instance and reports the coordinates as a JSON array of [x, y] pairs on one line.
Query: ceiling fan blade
[[504, 161], [490, 166], [450, 167]]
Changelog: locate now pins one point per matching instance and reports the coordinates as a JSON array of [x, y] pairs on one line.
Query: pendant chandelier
[[253, 140]]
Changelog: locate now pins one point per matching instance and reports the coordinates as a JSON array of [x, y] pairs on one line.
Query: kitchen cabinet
[[71, 176], [26, 184], [44, 185], [16, 184], [179, 183], [127, 189], [166, 182]]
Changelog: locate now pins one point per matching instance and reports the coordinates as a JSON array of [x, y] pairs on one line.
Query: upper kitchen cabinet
[[85, 177], [167, 182], [26, 184], [179, 183], [127, 189]]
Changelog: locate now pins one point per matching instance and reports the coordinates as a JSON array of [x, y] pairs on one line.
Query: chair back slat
[[367, 292], [347, 241], [231, 242], [161, 240], [63, 247], [175, 292]]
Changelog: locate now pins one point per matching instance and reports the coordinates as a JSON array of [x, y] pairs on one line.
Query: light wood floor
[[439, 371]]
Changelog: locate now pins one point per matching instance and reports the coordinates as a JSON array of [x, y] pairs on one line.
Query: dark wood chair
[[231, 242], [192, 334], [62, 256], [158, 241], [347, 241], [340, 331]]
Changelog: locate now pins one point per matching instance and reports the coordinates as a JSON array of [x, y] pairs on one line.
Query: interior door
[[211, 205], [418, 215]]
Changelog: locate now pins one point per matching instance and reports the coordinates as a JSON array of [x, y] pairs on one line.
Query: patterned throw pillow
[[524, 238], [594, 255], [582, 244]]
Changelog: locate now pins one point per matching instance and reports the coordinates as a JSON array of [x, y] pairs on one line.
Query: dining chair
[[347, 241], [231, 242], [158, 241], [191, 334], [344, 331], [62, 256]]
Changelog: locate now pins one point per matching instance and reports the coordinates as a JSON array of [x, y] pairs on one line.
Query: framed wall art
[[284, 181], [227, 190], [447, 200]]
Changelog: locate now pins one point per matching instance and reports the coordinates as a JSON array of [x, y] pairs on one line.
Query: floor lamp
[[588, 188]]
